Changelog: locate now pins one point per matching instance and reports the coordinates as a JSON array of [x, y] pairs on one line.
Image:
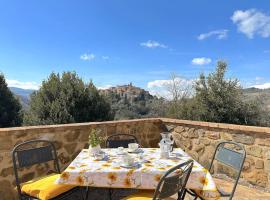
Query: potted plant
[[94, 142]]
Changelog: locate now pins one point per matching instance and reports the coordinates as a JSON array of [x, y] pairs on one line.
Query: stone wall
[[200, 139], [69, 140]]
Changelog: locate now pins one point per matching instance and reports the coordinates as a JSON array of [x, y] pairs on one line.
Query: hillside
[[23, 95], [253, 93], [130, 102]]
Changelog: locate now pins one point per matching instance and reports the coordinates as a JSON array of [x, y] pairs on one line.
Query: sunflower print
[[204, 180], [65, 176], [157, 177], [127, 182], [80, 180], [112, 176], [88, 172]]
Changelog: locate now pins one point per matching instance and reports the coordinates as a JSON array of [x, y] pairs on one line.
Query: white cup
[[133, 146], [127, 159]]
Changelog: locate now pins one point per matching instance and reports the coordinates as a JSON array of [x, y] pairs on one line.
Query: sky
[[121, 41]]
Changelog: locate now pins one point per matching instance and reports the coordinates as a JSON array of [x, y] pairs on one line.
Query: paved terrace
[[199, 139]]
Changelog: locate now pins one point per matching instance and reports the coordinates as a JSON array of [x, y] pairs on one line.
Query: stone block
[[6, 172], [179, 129], [259, 164], [73, 135], [263, 141], [205, 141], [267, 166], [226, 136], [70, 148], [192, 133], [6, 143], [243, 138], [6, 190], [255, 151], [213, 135], [249, 162]]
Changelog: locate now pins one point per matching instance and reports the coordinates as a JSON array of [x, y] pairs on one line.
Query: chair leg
[[87, 193]]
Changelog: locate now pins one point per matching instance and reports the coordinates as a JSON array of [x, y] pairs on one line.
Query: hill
[[129, 102], [253, 93], [23, 95]]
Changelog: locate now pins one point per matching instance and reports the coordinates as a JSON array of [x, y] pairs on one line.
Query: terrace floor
[[242, 193]]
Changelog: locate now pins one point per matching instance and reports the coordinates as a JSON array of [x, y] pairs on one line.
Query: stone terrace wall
[[69, 140], [200, 139]]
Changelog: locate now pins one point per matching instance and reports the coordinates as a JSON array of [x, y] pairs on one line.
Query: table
[[85, 171]]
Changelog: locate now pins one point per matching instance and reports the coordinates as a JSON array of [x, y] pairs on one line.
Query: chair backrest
[[230, 154], [31, 153], [174, 181], [120, 140]]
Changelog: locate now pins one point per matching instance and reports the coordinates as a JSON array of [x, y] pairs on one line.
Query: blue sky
[[121, 41]]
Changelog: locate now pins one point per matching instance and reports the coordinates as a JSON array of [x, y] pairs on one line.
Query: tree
[[10, 107], [66, 99], [179, 92], [218, 99]]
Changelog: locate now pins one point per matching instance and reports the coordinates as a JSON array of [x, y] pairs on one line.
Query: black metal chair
[[120, 140], [232, 156], [173, 182], [35, 152]]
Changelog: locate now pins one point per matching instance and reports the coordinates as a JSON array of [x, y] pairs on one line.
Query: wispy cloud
[[87, 57], [23, 85], [252, 22], [219, 34], [153, 44], [105, 57], [201, 61]]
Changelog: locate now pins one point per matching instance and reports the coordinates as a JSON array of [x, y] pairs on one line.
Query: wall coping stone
[[75, 125], [234, 127]]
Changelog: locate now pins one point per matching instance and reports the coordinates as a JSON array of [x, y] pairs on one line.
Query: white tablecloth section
[[86, 171]]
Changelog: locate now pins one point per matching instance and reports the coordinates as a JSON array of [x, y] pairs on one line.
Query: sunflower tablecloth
[[86, 171]]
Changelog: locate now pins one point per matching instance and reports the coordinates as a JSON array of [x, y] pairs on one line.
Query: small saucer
[[133, 165], [139, 150]]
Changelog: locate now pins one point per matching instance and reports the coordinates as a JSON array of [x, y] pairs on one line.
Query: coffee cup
[[133, 146], [127, 159]]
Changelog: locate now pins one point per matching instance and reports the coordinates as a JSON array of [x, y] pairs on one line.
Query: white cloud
[[220, 34], [105, 57], [201, 61], [251, 22], [104, 87], [153, 44], [262, 86], [23, 85], [160, 88], [87, 56]]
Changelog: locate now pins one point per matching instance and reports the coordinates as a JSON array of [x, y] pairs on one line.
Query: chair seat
[[45, 188], [144, 195]]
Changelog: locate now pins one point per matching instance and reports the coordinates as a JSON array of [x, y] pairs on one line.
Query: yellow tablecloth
[[86, 171]]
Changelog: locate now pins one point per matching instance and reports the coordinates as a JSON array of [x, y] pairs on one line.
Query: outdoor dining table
[[108, 173]]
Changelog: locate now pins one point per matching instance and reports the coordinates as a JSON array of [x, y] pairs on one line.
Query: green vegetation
[[218, 99], [94, 138], [10, 108], [66, 99]]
